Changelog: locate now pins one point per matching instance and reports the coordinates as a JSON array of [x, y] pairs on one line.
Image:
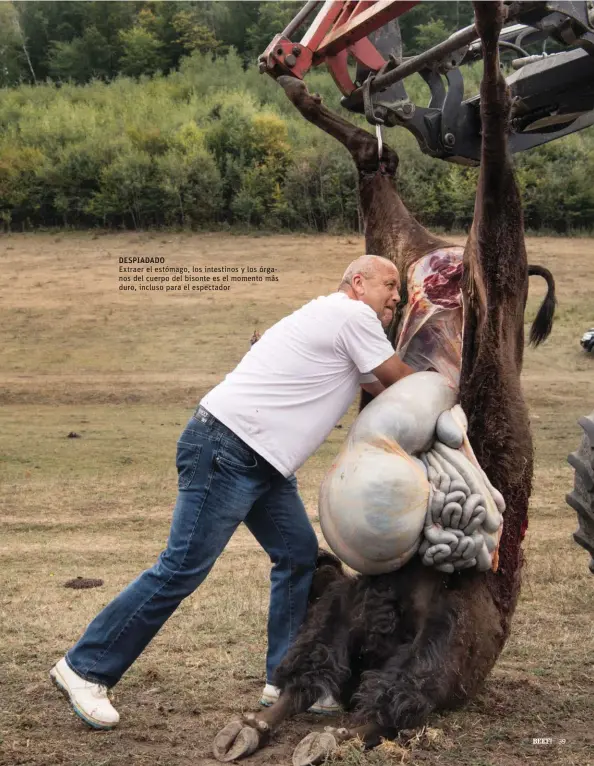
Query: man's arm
[[362, 340], [391, 371]]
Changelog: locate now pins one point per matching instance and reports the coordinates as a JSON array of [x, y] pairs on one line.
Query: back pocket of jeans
[[188, 457]]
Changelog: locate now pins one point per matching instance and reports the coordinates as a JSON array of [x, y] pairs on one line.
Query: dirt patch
[[79, 583]]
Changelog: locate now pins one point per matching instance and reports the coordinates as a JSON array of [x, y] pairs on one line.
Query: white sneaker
[[269, 695], [324, 706], [89, 700]]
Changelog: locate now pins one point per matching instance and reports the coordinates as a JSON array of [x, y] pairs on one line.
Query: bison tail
[[543, 323]]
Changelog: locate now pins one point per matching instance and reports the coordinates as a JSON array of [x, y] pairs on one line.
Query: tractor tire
[[581, 499]]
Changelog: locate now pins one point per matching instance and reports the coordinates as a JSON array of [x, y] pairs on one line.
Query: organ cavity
[[430, 332]]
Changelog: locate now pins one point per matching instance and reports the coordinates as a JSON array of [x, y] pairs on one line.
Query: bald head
[[373, 280], [367, 266]]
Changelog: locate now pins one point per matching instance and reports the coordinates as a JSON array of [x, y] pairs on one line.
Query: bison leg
[[495, 264], [495, 290], [252, 731], [362, 145], [316, 665]]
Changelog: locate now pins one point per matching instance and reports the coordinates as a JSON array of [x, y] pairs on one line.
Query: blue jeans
[[221, 482]]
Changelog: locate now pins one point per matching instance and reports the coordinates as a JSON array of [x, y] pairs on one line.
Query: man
[[236, 461]]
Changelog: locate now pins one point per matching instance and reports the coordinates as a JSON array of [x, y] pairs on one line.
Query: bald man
[[236, 461]]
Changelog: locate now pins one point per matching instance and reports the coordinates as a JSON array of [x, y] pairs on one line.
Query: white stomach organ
[[376, 500]]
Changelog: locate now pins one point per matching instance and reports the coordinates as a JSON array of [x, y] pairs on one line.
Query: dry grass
[[124, 371]]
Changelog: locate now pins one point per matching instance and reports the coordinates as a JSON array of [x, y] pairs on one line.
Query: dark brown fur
[[394, 647]]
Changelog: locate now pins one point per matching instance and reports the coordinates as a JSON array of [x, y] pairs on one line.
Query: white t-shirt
[[293, 385]]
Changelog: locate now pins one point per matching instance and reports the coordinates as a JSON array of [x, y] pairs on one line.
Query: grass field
[[124, 370]]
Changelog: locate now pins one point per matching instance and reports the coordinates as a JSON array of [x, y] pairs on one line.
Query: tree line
[[208, 142], [80, 41]]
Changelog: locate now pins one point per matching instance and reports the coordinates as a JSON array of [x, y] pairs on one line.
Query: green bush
[[190, 185], [217, 144], [21, 192]]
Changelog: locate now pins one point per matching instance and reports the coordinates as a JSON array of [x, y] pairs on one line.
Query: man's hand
[[392, 370], [374, 388]]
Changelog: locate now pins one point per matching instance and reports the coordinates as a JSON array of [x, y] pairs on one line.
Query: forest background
[[144, 114]]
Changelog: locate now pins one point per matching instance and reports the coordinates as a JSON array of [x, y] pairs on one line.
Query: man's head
[[373, 280]]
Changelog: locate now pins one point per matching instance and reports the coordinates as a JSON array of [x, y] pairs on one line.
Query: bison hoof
[[314, 748], [235, 741]]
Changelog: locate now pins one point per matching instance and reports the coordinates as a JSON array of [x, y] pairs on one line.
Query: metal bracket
[[451, 61], [368, 106], [552, 95]]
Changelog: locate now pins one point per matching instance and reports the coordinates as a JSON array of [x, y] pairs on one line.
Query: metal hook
[[380, 143]]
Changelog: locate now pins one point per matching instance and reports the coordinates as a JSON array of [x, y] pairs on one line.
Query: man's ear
[[357, 281]]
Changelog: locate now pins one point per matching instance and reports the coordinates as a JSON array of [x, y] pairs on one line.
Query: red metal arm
[[339, 29]]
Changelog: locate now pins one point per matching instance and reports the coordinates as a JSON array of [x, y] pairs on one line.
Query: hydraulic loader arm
[[553, 94]]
